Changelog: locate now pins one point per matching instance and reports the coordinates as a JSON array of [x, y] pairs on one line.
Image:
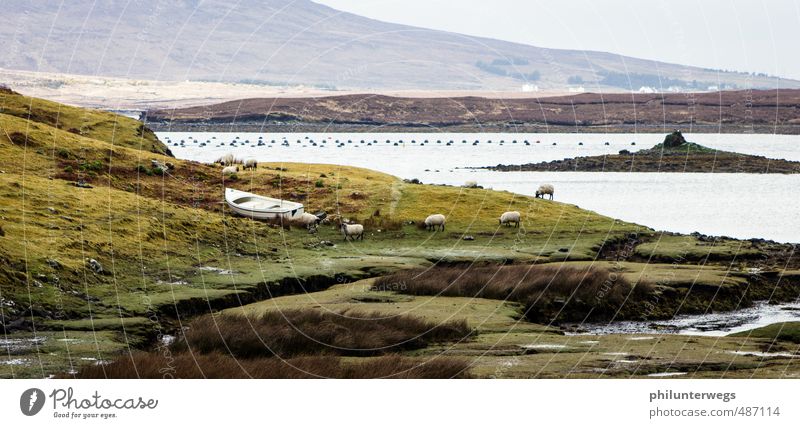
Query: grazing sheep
[[230, 170], [545, 189], [435, 221], [250, 164], [94, 265], [308, 220], [509, 217], [227, 160], [353, 231]]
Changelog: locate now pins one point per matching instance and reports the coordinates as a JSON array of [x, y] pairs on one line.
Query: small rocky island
[[675, 154]]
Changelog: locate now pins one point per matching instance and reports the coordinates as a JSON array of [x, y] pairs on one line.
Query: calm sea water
[[737, 205]]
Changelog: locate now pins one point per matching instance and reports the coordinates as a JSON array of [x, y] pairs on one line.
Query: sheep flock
[[354, 231]]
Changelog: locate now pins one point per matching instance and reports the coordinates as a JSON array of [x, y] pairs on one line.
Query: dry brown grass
[[155, 365], [550, 293], [309, 332]]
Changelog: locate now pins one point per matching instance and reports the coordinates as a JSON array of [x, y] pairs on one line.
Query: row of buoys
[[285, 142]]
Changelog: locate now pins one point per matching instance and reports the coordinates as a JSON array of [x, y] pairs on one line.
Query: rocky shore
[[680, 156]]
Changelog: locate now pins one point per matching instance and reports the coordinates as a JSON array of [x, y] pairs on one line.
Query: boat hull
[[261, 207]]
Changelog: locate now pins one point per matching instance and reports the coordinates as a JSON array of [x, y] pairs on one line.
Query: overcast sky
[[742, 35]]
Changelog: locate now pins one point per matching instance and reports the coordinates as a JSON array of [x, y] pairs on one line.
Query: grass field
[[78, 185]]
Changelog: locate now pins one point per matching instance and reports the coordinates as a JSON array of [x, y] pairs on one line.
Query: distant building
[[530, 88], [713, 88], [647, 90]]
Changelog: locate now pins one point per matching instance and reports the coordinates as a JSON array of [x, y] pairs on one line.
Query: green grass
[[786, 332], [158, 235], [99, 125], [683, 248], [685, 148]]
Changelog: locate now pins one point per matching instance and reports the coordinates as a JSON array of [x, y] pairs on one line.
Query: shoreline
[[318, 127]]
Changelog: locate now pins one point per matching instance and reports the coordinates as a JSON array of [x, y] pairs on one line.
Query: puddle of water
[[16, 345], [714, 324], [666, 374], [544, 346], [765, 354], [15, 362], [216, 269], [167, 339]]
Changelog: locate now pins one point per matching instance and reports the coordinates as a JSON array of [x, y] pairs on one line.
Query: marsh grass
[[383, 223], [549, 293], [155, 365], [310, 332]]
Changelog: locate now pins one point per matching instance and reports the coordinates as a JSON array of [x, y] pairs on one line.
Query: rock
[[468, 238], [675, 139], [158, 165], [327, 243]]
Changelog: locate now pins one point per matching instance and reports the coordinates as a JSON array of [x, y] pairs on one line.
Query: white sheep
[[227, 160], [435, 221], [353, 231], [509, 217], [545, 189], [250, 164], [230, 170], [308, 220]]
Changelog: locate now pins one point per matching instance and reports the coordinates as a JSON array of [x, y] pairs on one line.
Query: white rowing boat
[[261, 207]]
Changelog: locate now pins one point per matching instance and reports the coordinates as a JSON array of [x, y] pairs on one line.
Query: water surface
[[736, 205]]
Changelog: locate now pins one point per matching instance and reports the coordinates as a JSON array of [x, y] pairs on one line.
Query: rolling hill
[[727, 111], [278, 42]]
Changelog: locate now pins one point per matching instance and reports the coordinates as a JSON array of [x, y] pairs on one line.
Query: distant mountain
[[301, 42]]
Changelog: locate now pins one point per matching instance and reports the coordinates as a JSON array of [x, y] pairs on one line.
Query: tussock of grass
[[383, 223], [548, 293], [310, 332], [183, 365]]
